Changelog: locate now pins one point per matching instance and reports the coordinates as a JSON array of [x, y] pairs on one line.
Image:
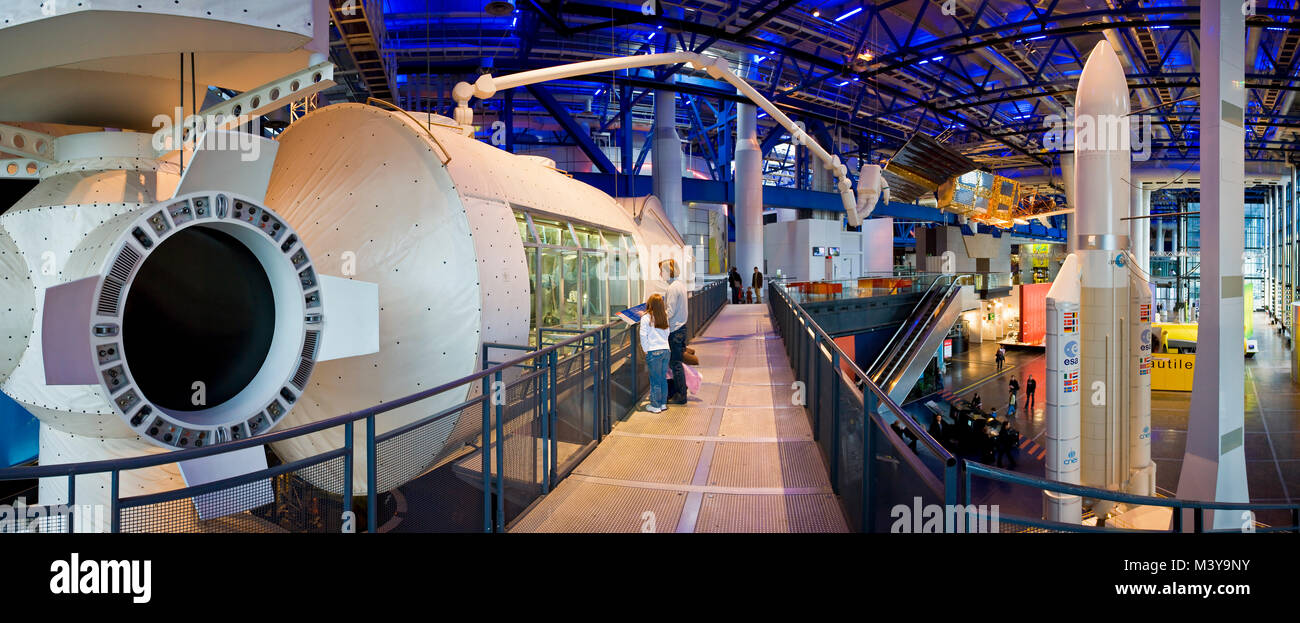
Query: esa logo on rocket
[[1071, 353]]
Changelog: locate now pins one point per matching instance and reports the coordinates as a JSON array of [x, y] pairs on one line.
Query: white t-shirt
[[652, 338]]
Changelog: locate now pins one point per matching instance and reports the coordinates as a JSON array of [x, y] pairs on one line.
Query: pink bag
[[693, 379]]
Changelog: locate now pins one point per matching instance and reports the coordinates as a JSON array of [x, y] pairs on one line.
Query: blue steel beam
[[575, 131]]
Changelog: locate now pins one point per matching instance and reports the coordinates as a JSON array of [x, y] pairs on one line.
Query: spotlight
[[499, 8]]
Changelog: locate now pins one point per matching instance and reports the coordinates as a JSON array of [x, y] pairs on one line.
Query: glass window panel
[[531, 255], [558, 280], [618, 274], [522, 222], [551, 232], [588, 238], [594, 308]]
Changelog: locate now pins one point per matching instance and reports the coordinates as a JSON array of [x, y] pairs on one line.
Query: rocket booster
[[1063, 385], [1142, 472]]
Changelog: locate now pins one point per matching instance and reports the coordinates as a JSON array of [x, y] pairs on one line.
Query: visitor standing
[[678, 313]]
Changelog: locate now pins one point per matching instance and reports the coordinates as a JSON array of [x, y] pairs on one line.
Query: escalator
[[905, 357]]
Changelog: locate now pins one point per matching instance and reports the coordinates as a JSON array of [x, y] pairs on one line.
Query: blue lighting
[[849, 14], [842, 83], [759, 59], [1036, 38]]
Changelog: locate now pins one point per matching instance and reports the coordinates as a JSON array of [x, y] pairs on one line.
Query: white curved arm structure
[[488, 86], [872, 185]]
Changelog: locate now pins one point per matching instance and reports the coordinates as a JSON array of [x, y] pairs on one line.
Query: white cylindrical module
[[436, 219], [1142, 472], [1063, 389], [1102, 184], [96, 177], [150, 324]]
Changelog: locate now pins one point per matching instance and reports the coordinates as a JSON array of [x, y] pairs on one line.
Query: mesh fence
[[285, 502], [626, 371]]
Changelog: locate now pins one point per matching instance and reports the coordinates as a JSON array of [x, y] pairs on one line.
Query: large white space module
[[1099, 313]]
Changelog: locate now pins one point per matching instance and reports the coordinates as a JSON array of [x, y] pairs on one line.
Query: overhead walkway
[[740, 457]]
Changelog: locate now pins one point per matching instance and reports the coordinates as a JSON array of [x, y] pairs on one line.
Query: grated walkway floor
[[739, 457]]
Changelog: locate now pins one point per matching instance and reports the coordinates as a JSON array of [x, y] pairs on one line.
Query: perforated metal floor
[[738, 458]]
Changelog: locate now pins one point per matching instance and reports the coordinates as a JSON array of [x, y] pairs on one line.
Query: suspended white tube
[[487, 86]]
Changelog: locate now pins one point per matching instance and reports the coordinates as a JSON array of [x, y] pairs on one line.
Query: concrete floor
[[1272, 414], [739, 457]]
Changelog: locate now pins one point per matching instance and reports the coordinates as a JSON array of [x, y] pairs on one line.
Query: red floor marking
[[1042, 454], [1024, 442]]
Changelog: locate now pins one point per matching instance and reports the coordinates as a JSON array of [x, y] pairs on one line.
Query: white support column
[[749, 192], [1214, 465], [1144, 258], [1288, 208], [1290, 194], [667, 165], [1139, 228], [1269, 269]]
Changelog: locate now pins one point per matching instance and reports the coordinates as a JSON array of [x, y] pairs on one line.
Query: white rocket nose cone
[[1103, 90]]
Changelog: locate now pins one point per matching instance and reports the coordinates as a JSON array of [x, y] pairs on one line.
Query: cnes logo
[[1071, 458], [102, 577]]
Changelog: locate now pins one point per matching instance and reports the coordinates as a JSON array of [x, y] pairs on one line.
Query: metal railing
[[874, 469], [856, 440], [865, 285], [515, 419]]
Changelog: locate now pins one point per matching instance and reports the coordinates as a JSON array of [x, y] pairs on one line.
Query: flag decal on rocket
[[1070, 322], [1071, 382], [1144, 312]]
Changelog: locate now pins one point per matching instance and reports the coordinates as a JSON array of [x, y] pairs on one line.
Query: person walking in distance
[[678, 313], [1030, 386], [1013, 388], [757, 283], [733, 279], [654, 341], [1001, 356]]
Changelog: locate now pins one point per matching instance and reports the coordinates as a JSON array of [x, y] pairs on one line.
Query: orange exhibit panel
[[848, 344], [1033, 312]]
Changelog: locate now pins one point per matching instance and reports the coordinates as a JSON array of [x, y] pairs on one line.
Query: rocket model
[[1099, 312]]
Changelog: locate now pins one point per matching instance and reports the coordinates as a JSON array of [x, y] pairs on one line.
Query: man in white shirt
[[678, 312]]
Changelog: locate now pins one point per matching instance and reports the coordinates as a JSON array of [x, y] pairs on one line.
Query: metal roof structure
[[994, 76]]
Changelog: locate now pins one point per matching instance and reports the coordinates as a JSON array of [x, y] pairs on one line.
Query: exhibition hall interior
[[580, 266]]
